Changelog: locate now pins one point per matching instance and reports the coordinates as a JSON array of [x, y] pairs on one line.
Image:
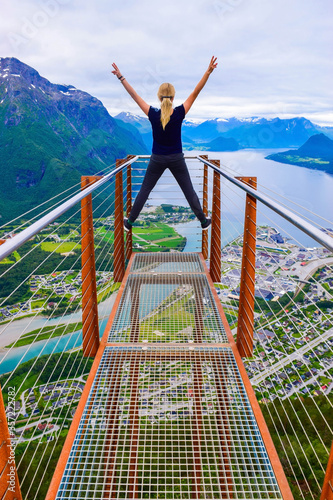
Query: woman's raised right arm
[[140, 102], [192, 97]]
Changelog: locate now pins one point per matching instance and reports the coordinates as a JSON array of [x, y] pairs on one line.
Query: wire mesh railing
[[291, 367], [41, 339], [43, 371]]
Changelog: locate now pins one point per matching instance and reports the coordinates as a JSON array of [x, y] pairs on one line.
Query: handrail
[[14, 243], [315, 233]]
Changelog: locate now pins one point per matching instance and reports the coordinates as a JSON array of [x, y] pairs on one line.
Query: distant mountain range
[[50, 135], [251, 132], [316, 153]]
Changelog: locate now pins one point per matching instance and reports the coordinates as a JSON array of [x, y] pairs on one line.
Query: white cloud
[[272, 55]]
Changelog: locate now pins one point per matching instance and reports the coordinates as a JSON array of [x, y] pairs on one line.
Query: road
[[312, 380], [304, 272], [257, 379], [142, 239], [56, 427]]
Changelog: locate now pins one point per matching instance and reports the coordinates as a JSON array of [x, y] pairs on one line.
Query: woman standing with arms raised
[[167, 149]]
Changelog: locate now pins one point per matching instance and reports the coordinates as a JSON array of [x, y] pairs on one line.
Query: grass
[[231, 318], [16, 255], [21, 383], [7, 261], [68, 246], [306, 159], [106, 292], [168, 322], [36, 304], [46, 333], [105, 234], [171, 243], [157, 231]]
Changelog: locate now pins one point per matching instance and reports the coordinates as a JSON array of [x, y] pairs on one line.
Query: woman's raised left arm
[[135, 96]]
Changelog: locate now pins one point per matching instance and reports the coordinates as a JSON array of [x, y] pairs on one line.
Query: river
[[308, 188], [10, 332]]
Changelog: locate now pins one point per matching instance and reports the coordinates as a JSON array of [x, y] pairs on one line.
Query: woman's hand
[[192, 97], [140, 102], [212, 65], [116, 70]]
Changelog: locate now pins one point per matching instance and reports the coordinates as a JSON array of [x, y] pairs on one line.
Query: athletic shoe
[[205, 225], [127, 225]]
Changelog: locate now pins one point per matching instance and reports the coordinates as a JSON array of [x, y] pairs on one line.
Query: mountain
[[318, 146], [316, 153], [253, 132], [139, 122], [189, 135], [256, 132], [50, 135]]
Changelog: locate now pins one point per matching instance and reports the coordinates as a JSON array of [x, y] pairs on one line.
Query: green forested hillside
[[50, 135], [299, 427]]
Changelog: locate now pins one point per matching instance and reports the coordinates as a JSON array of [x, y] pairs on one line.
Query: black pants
[[177, 166]]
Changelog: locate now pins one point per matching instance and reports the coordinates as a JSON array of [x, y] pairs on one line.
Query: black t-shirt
[[167, 141]]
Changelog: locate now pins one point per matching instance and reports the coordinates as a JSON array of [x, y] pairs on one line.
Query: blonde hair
[[166, 89]]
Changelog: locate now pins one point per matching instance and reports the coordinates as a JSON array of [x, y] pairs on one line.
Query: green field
[[156, 231], [106, 292], [52, 246], [161, 234], [7, 261], [306, 159], [46, 333], [104, 235]]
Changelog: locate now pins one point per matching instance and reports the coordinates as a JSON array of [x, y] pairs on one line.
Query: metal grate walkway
[[168, 412]]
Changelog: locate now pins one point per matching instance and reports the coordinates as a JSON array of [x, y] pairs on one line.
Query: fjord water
[[309, 188]]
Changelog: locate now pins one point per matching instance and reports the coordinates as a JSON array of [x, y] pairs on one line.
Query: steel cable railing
[[103, 257], [287, 378], [104, 201], [231, 199], [104, 260]]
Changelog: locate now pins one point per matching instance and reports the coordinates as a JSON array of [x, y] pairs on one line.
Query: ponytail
[[166, 108], [165, 93]]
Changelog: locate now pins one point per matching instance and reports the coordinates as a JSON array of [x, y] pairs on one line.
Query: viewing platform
[[161, 405], [168, 410]]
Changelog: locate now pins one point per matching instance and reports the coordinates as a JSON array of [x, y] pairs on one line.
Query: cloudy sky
[[275, 56]]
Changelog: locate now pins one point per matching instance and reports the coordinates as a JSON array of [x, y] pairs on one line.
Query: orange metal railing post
[[204, 245], [327, 491], [247, 284], [119, 245], [129, 235], [90, 328], [215, 243], [9, 483]]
